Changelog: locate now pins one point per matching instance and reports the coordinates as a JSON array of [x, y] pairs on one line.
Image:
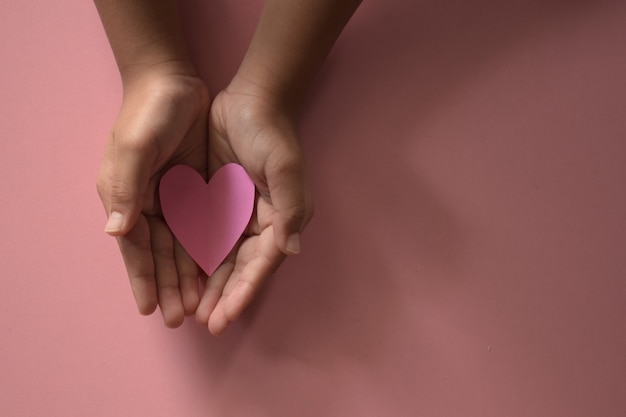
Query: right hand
[[162, 122], [250, 128]]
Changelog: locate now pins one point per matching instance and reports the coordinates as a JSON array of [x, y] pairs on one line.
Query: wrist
[[264, 89], [164, 91], [155, 69]]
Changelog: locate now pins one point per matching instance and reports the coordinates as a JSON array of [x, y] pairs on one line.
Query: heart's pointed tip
[[209, 270]]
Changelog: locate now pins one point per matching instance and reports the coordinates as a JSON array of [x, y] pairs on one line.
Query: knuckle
[[120, 192], [298, 213], [289, 163], [103, 187], [296, 217]]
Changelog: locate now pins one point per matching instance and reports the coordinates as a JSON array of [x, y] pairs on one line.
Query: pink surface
[[207, 219], [468, 254]]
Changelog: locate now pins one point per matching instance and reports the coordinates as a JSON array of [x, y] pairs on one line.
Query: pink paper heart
[[207, 219]]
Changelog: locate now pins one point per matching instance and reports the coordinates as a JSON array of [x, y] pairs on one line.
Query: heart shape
[[207, 219]]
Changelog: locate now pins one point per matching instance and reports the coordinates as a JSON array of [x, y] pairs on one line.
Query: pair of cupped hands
[[167, 118]]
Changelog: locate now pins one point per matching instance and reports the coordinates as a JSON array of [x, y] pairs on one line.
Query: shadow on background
[[383, 241]]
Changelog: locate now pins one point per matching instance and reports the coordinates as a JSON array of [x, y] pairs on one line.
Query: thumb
[[122, 185], [291, 198]]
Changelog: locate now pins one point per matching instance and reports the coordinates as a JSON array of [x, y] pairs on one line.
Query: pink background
[[467, 258]]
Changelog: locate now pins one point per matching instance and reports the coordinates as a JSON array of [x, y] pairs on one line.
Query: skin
[[166, 118]]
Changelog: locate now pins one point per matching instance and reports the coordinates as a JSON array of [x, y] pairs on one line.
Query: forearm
[[290, 44], [144, 35]]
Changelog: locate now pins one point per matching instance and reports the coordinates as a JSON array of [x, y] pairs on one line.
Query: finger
[[217, 321], [213, 292], [265, 259], [168, 289], [289, 194], [188, 273], [137, 254], [123, 182]]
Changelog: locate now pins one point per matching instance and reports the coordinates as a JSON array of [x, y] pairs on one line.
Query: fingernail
[[293, 244], [116, 220]]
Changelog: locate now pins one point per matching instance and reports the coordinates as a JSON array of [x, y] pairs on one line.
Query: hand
[[162, 122], [257, 133]]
